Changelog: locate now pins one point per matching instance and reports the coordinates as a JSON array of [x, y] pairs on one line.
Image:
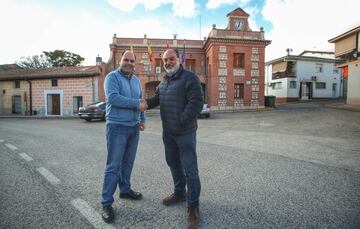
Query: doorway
[[306, 90], [16, 104], [53, 104], [334, 86]]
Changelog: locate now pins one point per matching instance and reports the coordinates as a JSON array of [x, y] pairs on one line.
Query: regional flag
[[150, 53]]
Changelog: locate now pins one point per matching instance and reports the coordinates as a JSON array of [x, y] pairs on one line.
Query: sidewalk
[[343, 106], [331, 103]]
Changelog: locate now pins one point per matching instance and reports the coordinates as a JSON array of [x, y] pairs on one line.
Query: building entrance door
[[16, 104], [334, 90], [53, 104], [305, 90]]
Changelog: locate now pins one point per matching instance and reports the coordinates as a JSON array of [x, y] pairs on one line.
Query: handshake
[[143, 105]]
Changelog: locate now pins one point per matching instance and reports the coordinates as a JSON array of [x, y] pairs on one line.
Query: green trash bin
[[270, 101]]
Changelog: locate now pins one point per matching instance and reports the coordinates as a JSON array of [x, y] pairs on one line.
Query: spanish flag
[[150, 53]]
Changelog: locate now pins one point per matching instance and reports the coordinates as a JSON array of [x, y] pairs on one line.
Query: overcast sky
[[86, 27]]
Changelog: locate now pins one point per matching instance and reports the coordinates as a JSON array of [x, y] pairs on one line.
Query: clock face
[[238, 24]]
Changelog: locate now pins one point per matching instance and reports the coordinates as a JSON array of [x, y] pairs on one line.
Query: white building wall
[[304, 71], [353, 93], [293, 92], [307, 69]]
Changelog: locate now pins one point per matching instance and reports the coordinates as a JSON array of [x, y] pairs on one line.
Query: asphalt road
[[295, 167]]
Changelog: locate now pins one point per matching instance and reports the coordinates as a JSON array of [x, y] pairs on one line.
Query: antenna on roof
[[288, 50]]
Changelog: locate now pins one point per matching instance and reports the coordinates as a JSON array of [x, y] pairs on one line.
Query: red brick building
[[230, 62]]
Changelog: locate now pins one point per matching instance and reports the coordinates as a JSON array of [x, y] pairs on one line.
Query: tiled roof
[[9, 66], [45, 73]]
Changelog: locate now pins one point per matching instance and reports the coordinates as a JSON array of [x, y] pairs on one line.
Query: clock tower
[[238, 20]]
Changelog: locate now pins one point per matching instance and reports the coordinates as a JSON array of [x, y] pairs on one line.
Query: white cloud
[[181, 8], [307, 24], [34, 29], [252, 11], [184, 8], [213, 4]]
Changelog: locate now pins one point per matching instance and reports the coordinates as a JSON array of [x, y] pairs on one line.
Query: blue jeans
[[180, 153], [122, 142]]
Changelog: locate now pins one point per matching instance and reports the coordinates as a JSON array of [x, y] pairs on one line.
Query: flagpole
[[200, 25]]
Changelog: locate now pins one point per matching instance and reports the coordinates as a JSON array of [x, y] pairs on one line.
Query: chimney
[[98, 60]]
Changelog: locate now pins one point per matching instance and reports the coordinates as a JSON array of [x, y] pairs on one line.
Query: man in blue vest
[[124, 119], [180, 98]]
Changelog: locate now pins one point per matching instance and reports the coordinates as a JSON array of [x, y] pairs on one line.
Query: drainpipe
[[30, 95]]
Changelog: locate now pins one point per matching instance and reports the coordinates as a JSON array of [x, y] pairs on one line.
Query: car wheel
[[88, 119], [207, 115]]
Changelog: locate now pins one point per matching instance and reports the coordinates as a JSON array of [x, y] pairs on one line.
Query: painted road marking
[[10, 146], [26, 157], [48, 175], [90, 214]]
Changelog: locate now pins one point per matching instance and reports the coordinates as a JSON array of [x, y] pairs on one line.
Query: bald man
[[180, 98], [124, 119]]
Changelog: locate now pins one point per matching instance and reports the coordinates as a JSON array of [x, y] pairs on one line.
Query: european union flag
[[183, 55]]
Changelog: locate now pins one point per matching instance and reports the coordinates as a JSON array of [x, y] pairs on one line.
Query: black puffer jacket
[[181, 99]]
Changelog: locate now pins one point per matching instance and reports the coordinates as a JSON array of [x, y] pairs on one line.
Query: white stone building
[[311, 74]]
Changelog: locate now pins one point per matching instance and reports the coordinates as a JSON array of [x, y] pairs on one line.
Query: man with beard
[[124, 119], [180, 98]]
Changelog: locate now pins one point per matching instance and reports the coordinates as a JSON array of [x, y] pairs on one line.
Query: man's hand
[[142, 126], [143, 105]]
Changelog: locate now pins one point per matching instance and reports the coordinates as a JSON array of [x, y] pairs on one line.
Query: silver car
[[93, 111], [205, 112]]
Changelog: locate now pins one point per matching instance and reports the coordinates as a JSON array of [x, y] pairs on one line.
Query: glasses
[[169, 59], [128, 60]]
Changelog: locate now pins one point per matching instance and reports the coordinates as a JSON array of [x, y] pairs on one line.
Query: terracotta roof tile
[[59, 72]]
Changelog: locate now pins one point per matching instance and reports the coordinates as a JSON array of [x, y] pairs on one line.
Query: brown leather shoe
[[193, 218], [173, 199]]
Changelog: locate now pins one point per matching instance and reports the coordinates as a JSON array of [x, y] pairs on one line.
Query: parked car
[[93, 111], [205, 112]]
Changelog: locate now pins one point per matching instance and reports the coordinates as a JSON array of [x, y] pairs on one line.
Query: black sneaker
[[131, 195], [107, 214]]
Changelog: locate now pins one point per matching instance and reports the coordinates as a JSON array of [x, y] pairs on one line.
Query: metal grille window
[[276, 85], [292, 84], [320, 85], [319, 67], [54, 83], [17, 83]]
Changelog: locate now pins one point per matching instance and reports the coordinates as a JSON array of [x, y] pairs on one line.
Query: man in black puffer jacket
[[180, 98]]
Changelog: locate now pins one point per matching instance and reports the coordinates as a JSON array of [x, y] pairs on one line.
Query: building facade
[[347, 48], [230, 62], [49, 92], [311, 74]]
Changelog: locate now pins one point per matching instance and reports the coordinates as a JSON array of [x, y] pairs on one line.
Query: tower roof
[[238, 12]]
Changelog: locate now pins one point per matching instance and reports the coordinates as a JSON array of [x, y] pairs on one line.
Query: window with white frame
[[276, 85], [320, 85], [292, 84], [319, 67]]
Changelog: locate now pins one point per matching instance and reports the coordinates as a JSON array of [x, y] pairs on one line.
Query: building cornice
[[348, 33]]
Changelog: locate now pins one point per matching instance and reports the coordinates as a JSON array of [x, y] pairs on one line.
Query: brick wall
[[69, 86]]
